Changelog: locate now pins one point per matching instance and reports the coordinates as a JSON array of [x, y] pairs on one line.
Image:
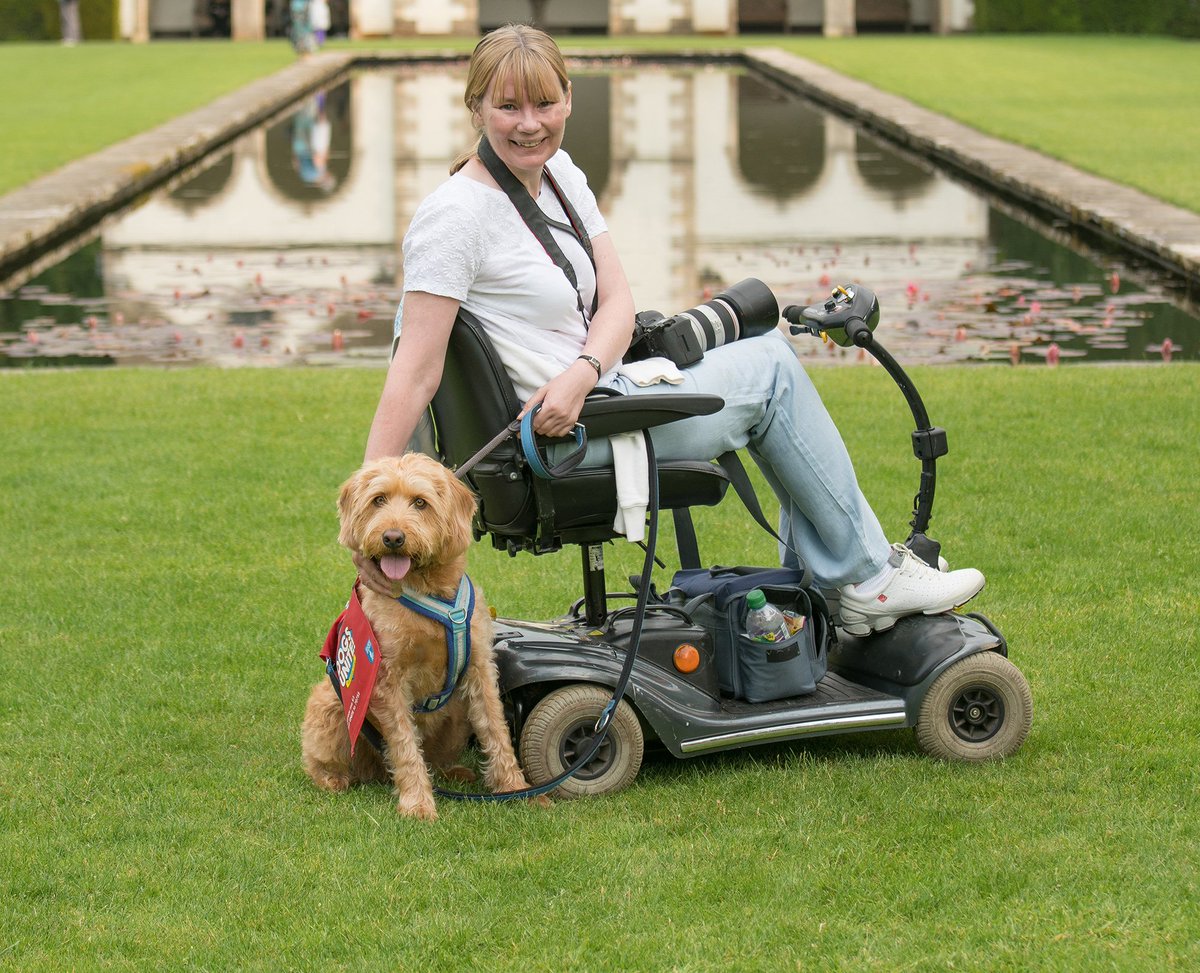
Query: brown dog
[[414, 518]]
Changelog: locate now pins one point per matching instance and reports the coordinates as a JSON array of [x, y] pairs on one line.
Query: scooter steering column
[[849, 317]]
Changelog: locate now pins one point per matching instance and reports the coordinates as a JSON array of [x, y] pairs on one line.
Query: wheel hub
[[575, 743], [977, 714]]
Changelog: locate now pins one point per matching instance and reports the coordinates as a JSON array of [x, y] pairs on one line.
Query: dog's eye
[[380, 500], [420, 503]]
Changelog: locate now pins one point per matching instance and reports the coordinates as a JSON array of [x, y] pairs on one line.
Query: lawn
[[62, 103], [169, 568], [1123, 107]]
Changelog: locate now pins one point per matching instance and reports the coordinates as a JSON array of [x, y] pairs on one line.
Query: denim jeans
[[773, 410]]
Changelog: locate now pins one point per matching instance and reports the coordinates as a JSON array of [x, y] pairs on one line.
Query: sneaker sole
[[862, 625]]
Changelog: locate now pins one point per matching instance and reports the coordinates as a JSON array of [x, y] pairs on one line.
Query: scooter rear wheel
[[560, 728], [978, 709]]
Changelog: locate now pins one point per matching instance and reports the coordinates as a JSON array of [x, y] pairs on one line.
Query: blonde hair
[[516, 54]]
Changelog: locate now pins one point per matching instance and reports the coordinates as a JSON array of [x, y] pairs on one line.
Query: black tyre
[[559, 730], [978, 709]]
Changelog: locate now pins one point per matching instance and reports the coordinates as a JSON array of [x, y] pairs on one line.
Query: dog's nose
[[393, 540]]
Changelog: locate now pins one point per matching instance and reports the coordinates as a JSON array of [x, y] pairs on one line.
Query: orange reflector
[[687, 658]]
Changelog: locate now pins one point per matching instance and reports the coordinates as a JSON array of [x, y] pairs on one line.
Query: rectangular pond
[[284, 247]]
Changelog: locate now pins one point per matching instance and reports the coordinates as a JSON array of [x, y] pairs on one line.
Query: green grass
[[169, 567], [61, 103], [1123, 107]]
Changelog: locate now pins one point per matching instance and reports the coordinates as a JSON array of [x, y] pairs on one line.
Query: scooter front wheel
[[978, 709], [559, 730]]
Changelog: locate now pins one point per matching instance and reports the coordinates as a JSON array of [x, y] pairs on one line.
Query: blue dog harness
[[455, 617]]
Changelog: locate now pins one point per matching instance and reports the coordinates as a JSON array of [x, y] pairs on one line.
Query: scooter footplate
[[831, 690], [837, 706]]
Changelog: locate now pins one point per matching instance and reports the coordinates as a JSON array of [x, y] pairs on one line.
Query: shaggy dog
[[413, 518]]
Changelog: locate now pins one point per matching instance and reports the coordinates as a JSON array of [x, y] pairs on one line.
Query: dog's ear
[[347, 501], [462, 505]]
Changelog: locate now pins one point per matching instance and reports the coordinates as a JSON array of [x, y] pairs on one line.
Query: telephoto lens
[[746, 309], [743, 310]]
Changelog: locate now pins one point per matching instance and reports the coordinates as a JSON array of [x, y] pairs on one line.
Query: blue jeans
[[773, 410]]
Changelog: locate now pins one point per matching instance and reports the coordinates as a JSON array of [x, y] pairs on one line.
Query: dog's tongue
[[395, 566]]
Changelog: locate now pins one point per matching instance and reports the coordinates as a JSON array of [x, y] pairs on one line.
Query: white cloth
[[651, 371], [467, 241], [632, 473]]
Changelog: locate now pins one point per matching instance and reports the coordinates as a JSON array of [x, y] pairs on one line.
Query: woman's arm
[[608, 338], [414, 374], [412, 378]]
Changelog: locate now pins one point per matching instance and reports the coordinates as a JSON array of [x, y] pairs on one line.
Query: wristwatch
[[595, 363]]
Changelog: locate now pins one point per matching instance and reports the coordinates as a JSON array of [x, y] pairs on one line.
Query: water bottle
[[764, 622]]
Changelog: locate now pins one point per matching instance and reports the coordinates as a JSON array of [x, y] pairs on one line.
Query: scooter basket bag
[[715, 598]]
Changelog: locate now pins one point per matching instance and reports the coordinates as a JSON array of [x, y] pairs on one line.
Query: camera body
[[745, 309], [657, 336]]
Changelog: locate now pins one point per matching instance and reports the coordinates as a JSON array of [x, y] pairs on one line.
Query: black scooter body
[[876, 682]]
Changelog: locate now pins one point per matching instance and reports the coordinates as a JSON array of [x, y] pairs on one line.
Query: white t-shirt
[[467, 241]]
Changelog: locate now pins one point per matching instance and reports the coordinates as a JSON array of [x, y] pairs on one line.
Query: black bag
[[757, 671]]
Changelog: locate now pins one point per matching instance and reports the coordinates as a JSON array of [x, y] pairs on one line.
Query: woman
[[468, 246]]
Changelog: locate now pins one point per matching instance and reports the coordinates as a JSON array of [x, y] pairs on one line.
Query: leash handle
[[533, 453]]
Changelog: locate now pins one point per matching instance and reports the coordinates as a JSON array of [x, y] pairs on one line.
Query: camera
[[743, 310]]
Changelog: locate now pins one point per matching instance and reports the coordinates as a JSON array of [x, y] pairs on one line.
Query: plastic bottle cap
[[755, 599]]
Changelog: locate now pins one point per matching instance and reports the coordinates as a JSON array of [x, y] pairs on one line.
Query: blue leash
[[532, 454], [606, 715]]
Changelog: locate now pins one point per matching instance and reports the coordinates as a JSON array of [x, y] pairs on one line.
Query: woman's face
[[525, 134]]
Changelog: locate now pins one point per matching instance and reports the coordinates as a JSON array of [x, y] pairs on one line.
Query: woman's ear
[[568, 113]]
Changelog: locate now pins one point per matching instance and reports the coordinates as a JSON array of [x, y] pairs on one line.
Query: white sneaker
[[914, 587]]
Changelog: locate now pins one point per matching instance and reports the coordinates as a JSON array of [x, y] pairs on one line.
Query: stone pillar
[[248, 20], [942, 17], [372, 18], [141, 22], [436, 17], [714, 16], [839, 19], [650, 17]]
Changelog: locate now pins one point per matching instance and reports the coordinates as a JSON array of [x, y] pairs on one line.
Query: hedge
[[38, 20], [1180, 18]]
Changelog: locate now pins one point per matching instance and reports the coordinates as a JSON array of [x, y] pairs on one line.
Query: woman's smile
[[525, 132]]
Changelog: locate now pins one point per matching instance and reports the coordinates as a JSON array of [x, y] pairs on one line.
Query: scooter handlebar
[[858, 332], [849, 316]]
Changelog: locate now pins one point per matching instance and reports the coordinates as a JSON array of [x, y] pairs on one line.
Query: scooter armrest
[[611, 414]]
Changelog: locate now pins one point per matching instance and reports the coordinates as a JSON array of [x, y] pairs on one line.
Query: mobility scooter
[[587, 692]]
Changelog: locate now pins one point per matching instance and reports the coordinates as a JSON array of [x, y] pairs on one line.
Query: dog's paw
[[331, 782], [460, 773], [541, 801], [421, 808]]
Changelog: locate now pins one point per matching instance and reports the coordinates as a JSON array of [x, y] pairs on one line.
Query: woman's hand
[[370, 574], [561, 400]]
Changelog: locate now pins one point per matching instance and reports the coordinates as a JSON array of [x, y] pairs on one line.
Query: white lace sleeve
[[443, 248]]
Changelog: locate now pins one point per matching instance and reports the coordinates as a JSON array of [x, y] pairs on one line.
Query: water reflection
[[285, 248], [780, 140]]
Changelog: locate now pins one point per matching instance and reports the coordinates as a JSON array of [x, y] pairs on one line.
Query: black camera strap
[[537, 221]]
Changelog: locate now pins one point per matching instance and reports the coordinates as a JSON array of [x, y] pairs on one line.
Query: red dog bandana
[[351, 655]]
